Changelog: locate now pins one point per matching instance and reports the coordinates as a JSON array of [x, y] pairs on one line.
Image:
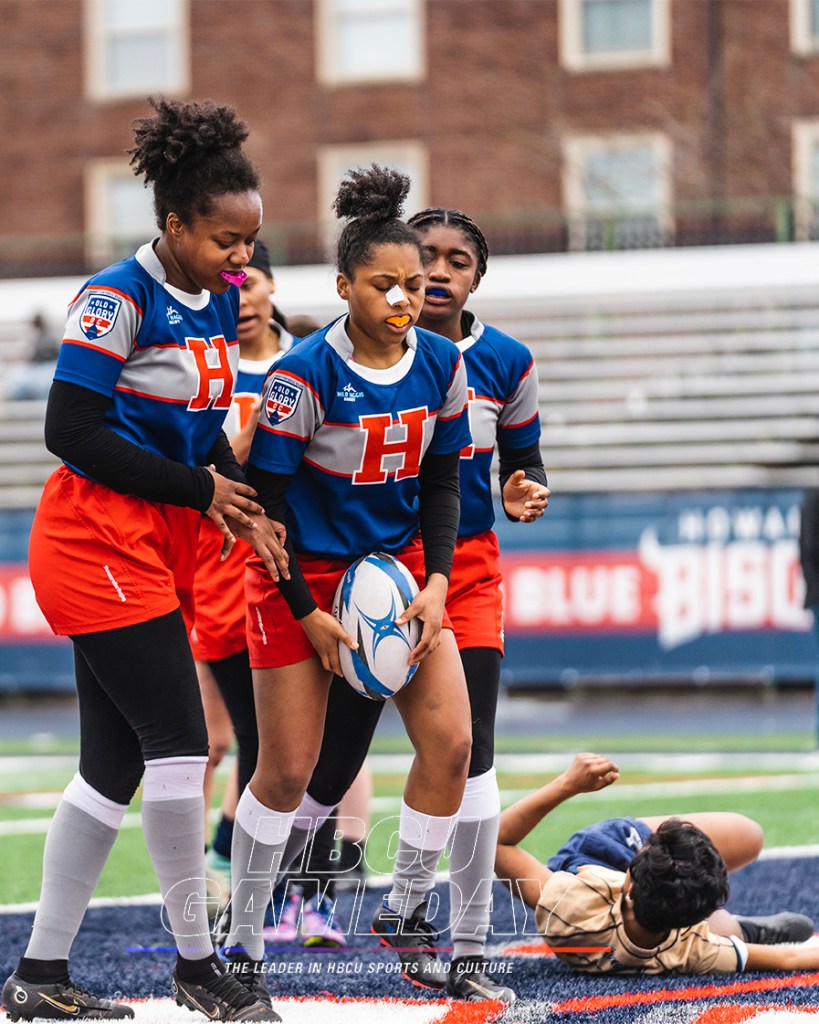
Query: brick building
[[557, 123]]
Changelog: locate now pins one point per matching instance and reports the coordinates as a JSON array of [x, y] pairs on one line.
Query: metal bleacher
[[640, 390], [24, 461], [678, 392]]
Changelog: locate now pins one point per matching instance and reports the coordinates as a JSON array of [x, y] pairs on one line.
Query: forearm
[[512, 459], [517, 821], [439, 511], [270, 490], [76, 433], [782, 958], [223, 458]]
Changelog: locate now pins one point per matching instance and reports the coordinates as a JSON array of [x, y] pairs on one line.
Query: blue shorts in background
[[611, 844]]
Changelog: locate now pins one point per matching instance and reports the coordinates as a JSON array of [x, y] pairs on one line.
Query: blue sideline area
[[112, 954]]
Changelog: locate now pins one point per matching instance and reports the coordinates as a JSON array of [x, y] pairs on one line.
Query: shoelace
[[423, 931], [232, 991], [77, 993]]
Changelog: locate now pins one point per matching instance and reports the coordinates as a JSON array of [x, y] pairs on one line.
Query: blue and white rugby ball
[[373, 592]]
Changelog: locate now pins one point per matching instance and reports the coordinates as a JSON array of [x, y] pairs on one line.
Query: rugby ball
[[372, 593]]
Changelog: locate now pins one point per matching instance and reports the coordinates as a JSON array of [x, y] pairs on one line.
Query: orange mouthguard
[[399, 321]]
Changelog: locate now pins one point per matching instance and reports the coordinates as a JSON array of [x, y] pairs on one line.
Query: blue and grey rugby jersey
[[354, 437], [166, 358]]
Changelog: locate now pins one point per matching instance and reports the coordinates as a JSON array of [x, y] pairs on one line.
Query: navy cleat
[[469, 979], [413, 939], [25, 1000]]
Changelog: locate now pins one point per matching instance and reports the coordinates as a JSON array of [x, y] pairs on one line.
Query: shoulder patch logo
[[99, 315], [283, 399]]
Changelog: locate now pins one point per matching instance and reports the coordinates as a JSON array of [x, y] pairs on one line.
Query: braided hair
[[457, 219], [190, 153], [374, 198], [678, 878]]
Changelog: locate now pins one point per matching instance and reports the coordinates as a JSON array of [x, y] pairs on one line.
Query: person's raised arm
[[520, 869], [587, 773]]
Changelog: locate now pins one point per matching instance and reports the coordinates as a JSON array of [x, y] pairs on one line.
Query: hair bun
[[182, 131], [373, 193]]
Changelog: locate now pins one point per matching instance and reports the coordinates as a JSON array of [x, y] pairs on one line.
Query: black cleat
[[251, 973], [222, 998], [784, 927], [469, 979], [25, 1000], [413, 939]]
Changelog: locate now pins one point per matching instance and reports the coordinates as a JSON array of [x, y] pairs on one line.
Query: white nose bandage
[[395, 296]]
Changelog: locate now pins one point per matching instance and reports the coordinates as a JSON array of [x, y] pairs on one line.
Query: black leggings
[[235, 681], [351, 721], [139, 700]]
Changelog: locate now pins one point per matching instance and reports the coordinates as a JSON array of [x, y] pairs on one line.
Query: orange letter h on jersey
[[377, 447], [208, 373]]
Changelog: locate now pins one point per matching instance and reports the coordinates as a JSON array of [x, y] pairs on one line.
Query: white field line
[[321, 1010], [682, 788], [553, 762]]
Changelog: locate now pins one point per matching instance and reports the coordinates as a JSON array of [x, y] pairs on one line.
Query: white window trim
[[328, 71], [578, 148], [335, 161], [98, 176], [802, 41], [574, 58], [94, 38], [804, 139]]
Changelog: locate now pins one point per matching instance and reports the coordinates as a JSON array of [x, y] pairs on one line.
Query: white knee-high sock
[[173, 815], [310, 815], [472, 864], [77, 845], [259, 837], [421, 841]]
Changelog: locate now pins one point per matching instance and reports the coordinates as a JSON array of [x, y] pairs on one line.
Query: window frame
[[802, 41], [98, 176], [95, 38], [328, 67], [804, 140], [333, 161], [577, 149], [574, 58]]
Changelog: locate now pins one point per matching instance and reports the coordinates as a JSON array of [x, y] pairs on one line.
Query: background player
[[645, 895], [144, 377], [503, 390], [345, 498], [218, 639]]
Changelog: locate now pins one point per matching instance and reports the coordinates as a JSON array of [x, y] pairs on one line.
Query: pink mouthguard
[[237, 278]]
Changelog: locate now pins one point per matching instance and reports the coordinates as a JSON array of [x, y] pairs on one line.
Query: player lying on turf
[[645, 895]]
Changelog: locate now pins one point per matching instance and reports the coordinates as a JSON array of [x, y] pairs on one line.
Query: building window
[[134, 49], [611, 34], [370, 41], [617, 191], [806, 179], [335, 161], [804, 26], [119, 212]]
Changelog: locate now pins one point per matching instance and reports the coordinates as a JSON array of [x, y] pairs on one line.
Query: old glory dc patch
[[99, 315], [283, 399]]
